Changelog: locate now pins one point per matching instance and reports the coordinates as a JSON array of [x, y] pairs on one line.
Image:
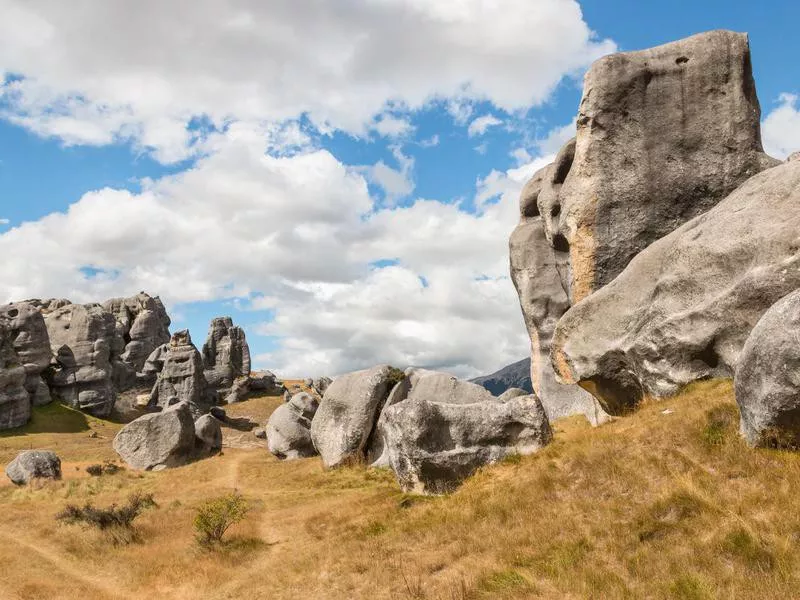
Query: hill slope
[[667, 503], [516, 375]]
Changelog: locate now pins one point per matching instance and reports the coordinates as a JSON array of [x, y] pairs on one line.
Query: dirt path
[[97, 583]]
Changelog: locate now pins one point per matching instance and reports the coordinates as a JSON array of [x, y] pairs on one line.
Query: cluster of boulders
[[432, 429], [661, 235]]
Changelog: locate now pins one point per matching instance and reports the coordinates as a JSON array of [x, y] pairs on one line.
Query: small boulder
[[347, 414], [34, 464], [158, 440], [288, 430], [208, 432], [434, 446], [766, 381]]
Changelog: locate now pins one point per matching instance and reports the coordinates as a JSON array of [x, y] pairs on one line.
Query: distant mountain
[[517, 375]]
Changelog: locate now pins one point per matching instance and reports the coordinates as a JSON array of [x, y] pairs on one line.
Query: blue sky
[[334, 182]]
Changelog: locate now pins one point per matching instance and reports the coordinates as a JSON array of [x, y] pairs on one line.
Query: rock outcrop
[[208, 434], [377, 454], [266, 382], [82, 337], [158, 440], [445, 388], [684, 307], [142, 325], [662, 136], [433, 446], [226, 355], [767, 378], [15, 402], [34, 464], [181, 378], [31, 343], [347, 414], [288, 430]]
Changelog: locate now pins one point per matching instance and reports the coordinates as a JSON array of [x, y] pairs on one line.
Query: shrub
[[107, 468], [216, 516], [115, 520]]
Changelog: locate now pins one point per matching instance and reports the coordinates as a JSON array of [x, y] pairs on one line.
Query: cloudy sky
[[340, 176]]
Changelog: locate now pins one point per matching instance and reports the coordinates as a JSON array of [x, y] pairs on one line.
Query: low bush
[[216, 516], [107, 468], [114, 520]]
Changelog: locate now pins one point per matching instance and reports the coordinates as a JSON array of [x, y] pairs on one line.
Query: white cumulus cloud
[[781, 128], [482, 124]]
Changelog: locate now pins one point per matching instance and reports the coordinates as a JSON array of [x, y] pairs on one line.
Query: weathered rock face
[[684, 307], [542, 297], [377, 453], [15, 402], [433, 447], [663, 135], [142, 325], [768, 377], [181, 378], [445, 388], [208, 432], [158, 440], [266, 382], [82, 338], [238, 391], [347, 414], [226, 355], [32, 345], [155, 362], [320, 384], [288, 430], [34, 464]]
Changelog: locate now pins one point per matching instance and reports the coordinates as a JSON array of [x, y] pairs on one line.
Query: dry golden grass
[[651, 506]]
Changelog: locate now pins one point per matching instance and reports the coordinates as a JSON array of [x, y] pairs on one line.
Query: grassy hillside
[[667, 503]]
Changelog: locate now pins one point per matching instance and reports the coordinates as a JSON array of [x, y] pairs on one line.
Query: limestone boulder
[[662, 136], [684, 307], [288, 430], [266, 382], [31, 343], [433, 447], [767, 378], [142, 325], [15, 402], [158, 440], [208, 434], [377, 453], [226, 355], [181, 378], [344, 421], [34, 464], [445, 388], [82, 337]]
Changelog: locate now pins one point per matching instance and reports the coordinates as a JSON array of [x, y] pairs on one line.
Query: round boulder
[[34, 464]]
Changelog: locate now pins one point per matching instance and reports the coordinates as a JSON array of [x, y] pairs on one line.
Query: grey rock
[[32, 345], [377, 454], [445, 387], [795, 156], [684, 307], [238, 391], [34, 464], [320, 384], [434, 446], [208, 432], [266, 382], [347, 414], [766, 381], [15, 402], [82, 337], [511, 393], [260, 433], [288, 430], [226, 355], [662, 136], [142, 324], [158, 440], [543, 300], [218, 413], [181, 379], [154, 363]]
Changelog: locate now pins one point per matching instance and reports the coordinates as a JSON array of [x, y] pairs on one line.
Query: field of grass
[[666, 503]]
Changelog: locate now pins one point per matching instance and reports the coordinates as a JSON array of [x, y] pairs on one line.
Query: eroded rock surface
[[684, 307], [34, 464], [226, 355], [15, 402], [158, 440], [31, 343], [181, 378], [288, 430]]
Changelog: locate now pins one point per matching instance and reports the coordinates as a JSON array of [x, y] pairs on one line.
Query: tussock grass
[[653, 505]]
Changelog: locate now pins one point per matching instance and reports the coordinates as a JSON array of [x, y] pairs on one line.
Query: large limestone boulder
[[34, 464], [377, 453], [142, 325], [434, 446], [15, 402], [288, 430], [543, 299], [82, 338], [662, 136], [158, 440], [226, 355], [768, 377], [208, 434], [684, 307], [31, 343], [445, 387], [347, 414], [181, 377]]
